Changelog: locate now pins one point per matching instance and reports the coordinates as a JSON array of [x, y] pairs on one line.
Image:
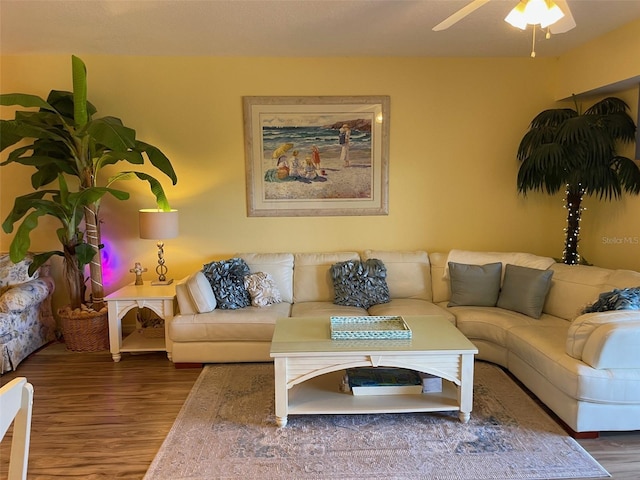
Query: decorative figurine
[[138, 270]]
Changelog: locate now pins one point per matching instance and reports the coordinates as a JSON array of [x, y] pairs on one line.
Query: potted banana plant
[[63, 141]]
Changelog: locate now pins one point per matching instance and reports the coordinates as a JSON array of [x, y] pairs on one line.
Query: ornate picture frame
[[317, 156]]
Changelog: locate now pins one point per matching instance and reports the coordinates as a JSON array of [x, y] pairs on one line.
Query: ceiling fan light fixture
[[517, 16], [534, 12]]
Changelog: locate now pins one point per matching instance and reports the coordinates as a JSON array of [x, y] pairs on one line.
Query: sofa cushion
[[474, 284], [246, 325], [24, 295], [227, 281], [440, 286], [573, 287], [410, 306], [312, 280], [262, 289], [493, 323], [278, 265], [325, 309], [15, 273], [583, 326], [408, 273], [616, 299], [524, 290], [542, 348], [200, 292], [514, 258], [360, 283], [622, 279]]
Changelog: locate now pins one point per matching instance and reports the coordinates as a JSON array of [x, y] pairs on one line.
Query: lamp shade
[[158, 224]]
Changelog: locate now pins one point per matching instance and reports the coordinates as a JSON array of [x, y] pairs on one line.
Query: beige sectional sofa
[[584, 367]]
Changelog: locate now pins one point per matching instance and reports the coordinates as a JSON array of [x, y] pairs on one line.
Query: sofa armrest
[[24, 295], [614, 345], [606, 339], [195, 295]]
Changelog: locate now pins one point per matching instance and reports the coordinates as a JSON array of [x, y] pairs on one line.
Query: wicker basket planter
[[85, 331]]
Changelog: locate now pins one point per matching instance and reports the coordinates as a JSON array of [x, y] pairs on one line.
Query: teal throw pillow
[[477, 285], [525, 290], [360, 283]]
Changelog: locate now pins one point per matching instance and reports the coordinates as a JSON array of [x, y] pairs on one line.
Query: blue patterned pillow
[[617, 299], [360, 283], [227, 281]]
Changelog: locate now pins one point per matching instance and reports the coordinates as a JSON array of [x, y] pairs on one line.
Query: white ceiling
[[288, 27]]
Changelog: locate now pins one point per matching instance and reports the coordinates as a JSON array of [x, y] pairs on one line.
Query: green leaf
[[24, 100], [79, 74], [21, 205], [84, 254], [40, 259], [22, 239], [62, 101], [110, 132], [158, 160], [156, 187], [111, 157], [13, 130]]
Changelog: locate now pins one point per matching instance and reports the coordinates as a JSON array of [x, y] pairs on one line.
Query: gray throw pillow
[[227, 281], [525, 289], [616, 299], [360, 283], [477, 285]]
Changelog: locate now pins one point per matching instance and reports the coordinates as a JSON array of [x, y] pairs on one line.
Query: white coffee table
[[309, 367]]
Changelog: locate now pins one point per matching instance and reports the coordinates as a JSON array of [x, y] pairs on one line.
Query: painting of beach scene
[[316, 155]]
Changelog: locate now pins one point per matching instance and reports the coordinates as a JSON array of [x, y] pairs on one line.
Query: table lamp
[[159, 225]]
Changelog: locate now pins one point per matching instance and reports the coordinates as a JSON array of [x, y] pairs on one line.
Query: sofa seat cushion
[[325, 309], [493, 323], [410, 306], [246, 324], [543, 348]]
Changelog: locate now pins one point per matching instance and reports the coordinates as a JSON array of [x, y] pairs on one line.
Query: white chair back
[[16, 405]]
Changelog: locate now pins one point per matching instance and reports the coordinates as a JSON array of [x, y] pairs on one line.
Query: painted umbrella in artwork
[[282, 149]]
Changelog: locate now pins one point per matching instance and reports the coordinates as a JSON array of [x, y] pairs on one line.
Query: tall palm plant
[[63, 138], [565, 148]]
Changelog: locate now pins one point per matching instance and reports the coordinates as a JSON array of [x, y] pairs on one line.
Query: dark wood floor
[[95, 419]]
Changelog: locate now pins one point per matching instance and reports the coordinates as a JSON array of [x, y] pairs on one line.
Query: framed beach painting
[[310, 156]]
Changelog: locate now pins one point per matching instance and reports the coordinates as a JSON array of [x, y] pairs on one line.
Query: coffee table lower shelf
[[321, 395]]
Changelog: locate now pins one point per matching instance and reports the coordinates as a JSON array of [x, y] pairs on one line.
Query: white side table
[[159, 298]]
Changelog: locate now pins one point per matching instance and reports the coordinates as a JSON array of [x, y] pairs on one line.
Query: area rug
[[226, 430]]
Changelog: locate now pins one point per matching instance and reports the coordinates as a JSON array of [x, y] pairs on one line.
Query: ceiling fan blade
[[567, 22], [460, 14]]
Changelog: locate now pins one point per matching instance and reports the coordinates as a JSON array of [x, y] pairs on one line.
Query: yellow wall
[[455, 128], [609, 59]]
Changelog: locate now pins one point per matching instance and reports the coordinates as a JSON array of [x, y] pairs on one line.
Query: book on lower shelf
[[383, 381], [430, 383]]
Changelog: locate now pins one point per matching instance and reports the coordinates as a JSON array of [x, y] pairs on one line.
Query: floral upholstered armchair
[[26, 319]]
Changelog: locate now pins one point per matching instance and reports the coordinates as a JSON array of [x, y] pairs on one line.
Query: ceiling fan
[[562, 25]]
